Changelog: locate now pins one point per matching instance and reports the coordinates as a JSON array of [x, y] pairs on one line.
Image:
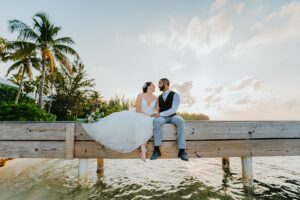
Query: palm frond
[[25, 31], [13, 67], [21, 44], [64, 40], [20, 50], [35, 62], [28, 71], [64, 61], [66, 49], [19, 74], [46, 29]]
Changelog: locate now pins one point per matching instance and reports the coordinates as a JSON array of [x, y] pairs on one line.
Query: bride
[[127, 130]]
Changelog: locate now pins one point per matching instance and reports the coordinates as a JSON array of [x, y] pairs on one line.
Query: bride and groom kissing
[[125, 131]]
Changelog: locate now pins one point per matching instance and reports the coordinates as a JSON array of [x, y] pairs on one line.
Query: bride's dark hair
[[145, 86]]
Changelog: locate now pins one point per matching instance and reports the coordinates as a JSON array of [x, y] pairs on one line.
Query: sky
[[231, 60]]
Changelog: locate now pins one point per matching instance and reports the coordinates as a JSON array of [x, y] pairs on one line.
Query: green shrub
[[8, 95], [193, 116], [24, 112]]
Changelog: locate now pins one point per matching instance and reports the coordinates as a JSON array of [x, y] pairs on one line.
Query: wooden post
[[83, 171], [225, 164], [247, 173], [100, 165], [100, 161], [69, 142]]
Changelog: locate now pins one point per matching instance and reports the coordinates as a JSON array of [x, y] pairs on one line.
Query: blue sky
[[234, 60]]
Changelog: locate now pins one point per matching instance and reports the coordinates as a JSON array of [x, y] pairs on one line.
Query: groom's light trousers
[[178, 121]]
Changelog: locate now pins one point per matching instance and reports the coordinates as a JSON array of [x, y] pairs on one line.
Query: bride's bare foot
[[143, 153]]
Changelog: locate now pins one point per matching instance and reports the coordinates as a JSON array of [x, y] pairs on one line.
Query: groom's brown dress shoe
[[183, 155]]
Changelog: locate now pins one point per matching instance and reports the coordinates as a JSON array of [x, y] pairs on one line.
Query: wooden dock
[[68, 140]]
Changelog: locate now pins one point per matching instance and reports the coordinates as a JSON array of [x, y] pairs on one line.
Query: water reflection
[[274, 178]]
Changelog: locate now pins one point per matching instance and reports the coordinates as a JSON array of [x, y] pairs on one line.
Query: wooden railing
[[68, 140]]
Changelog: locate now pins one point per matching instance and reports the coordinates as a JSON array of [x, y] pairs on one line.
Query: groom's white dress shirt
[[175, 104]]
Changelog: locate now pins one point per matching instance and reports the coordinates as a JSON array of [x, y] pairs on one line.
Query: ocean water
[[47, 179]]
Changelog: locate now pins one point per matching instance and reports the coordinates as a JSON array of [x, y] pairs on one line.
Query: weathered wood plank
[[32, 131], [198, 149], [195, 130], [215, 130], [32, 149]]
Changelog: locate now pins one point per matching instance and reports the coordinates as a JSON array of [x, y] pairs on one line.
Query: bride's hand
[[155, 115], [144, 113]]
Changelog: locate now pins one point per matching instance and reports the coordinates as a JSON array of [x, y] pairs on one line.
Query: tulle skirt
[[122, 131]]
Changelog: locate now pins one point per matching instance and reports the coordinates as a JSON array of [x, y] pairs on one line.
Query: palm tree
[[72, 91], [3, 44], [44, 35], [96, 98], [24, 57]]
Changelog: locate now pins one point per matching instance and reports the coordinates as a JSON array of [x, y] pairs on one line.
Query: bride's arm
[[138, 103]]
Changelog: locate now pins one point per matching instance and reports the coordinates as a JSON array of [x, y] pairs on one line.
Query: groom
[[168, 104]]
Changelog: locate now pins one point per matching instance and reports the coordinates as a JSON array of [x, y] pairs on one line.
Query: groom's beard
[[162, 88]]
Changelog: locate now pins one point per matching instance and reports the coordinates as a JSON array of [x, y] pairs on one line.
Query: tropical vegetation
[[51, 77]]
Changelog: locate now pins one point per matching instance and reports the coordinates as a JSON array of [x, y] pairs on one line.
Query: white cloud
[[239, 94], [246, 100], [213, 99], [272, 108], [248, 82], [217, 4], [201, 36], [184, 89], [227, 6], [215, 89], [251, 99], [281, 25]]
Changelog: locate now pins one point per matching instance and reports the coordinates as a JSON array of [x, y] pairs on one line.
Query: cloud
[[214, 98], [200, 36], [215, 89], [227, 6], [272, 108], [281, 25], [245, 100], [184, 89], [250, 98], [239, 94], [217, 4], [248, 82]]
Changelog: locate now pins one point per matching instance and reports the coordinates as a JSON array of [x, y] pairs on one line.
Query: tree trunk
[[20, 86], [42, 81], [51, 97], [35, 95]]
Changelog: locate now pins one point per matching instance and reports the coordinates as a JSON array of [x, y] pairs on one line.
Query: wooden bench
[[68, 140]]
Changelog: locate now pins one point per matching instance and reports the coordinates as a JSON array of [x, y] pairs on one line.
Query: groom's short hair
[[165, 81]]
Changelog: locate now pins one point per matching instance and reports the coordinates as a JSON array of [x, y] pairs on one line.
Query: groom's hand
[[155, 115]]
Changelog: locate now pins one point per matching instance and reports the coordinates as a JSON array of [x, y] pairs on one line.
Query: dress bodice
[[148, 109]]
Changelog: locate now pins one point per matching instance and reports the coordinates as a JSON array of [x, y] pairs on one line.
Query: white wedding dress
[[123, 131]]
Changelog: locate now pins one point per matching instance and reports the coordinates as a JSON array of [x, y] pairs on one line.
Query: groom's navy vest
[[166, 105]]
